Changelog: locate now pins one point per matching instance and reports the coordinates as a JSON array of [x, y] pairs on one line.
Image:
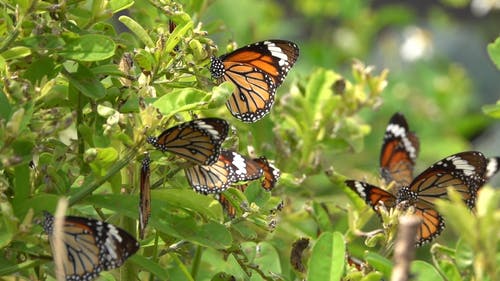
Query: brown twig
[[404, 249], [58, 247]]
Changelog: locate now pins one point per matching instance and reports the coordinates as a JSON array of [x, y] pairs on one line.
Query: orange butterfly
[[256, 70], [464, 171]]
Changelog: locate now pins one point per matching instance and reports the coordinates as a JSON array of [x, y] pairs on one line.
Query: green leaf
[[188, 199], [493, 110], [180, 100], [5, 107], [494, 52], [16, 53], [177, 35], [267, 257], [86, 82], [450, 270], [118, 5], [8, 224], [148, 265], [327, 258], [380, 263], [137, 29], [423, 271], [89, 47]]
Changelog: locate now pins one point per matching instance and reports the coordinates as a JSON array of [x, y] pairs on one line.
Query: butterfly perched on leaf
[[399, 152], [270, 176], [465, 172], [90, 246], [144, 196], [256, 70], [231, 167], [198, 141]]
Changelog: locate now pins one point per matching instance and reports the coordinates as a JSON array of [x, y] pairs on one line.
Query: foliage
[[74, 114]]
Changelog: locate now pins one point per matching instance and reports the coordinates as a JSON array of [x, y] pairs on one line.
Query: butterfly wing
[[399, 152], [91, 246], [492, 167], [271, 173], [144, 196], [198, 140], [431, 223], [226, 204], [372, 195], [256, 70], [464, 171], [231, 167]]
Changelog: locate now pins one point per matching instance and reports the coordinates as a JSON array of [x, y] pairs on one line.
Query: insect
[[271, 174], [198, 141], [399, 152], [90, 246], [231, 167], [256, 70], [144, 196], [464, 171]]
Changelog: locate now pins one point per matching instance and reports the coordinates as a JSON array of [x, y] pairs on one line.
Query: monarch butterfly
[[91, 246], [463, 171], [144, 196], [271, 174], [231, 167], [198, 140], [399, 152], [256, 70]]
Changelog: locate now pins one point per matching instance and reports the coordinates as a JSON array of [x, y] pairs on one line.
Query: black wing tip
[[399, 119]]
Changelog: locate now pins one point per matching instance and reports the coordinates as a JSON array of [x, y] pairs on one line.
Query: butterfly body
[[256, 70], [91, 246]]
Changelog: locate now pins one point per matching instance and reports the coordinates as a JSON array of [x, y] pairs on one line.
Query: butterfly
[[90, 246], [144, 196], [198, 141], [399, 152], [270, 175], [464, 171], [230, 168], [256, 70]]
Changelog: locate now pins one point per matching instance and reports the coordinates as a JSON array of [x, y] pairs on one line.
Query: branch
[[404, 249]]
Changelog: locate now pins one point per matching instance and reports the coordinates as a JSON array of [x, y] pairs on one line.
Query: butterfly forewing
[[256, 70], [464, 171], [399, 152], [372, 195], [91, 246], [198, 140]]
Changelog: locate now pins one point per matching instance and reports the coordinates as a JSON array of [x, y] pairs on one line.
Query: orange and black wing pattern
[[256, 70], [230, 168], [399, 152], [90, 246], [198, 141], [373, 195], [271, 174]]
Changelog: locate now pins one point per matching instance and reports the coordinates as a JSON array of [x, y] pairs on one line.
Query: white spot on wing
[[463, 165], [360, 188]]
